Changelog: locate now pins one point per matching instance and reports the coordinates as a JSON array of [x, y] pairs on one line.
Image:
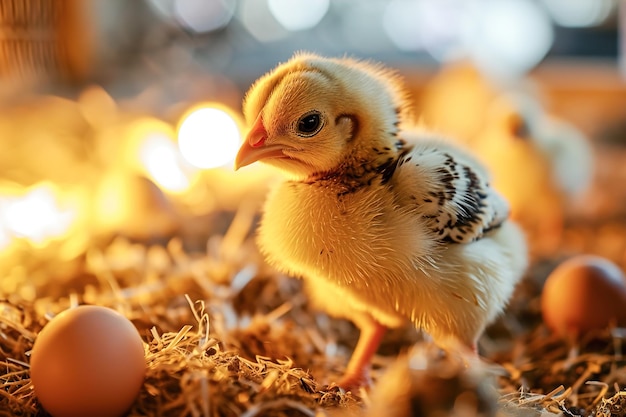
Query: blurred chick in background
[[424, 383], [382, 230], [542, 165], [539, 163]]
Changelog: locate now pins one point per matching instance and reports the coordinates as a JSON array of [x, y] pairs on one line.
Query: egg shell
[[88, 361], [132, 205], [583, 294]]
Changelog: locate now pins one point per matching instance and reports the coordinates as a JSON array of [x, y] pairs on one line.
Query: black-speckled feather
[[450, 191]]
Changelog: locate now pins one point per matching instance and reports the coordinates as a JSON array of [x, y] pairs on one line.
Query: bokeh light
[[151, 151], [433, 26], [36, 215], [400, 25], [208, 137], [439, 23], [259, 21], [506, 38], [297, 15], [362, 27], [579, 13], [164, 164], [5, 238], [203, 15], [197, 15]]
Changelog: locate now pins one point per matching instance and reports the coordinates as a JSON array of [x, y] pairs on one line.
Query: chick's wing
[[450, 190]]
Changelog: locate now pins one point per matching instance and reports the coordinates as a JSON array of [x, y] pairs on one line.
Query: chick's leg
[[357, 372]]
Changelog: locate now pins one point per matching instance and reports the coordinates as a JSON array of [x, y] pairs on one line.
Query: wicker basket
[[44, 41]]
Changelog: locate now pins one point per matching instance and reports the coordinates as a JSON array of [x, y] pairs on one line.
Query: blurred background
[[122, 118]]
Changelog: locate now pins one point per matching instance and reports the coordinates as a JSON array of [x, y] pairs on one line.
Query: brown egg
[[88, 361], [582, 294]]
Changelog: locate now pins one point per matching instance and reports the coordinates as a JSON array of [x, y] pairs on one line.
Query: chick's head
[[312, 114]]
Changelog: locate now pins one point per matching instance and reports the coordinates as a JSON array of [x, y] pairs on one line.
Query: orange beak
[[254, 147]]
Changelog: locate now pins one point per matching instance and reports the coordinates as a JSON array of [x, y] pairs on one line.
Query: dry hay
[[227, 336], [224, 337]]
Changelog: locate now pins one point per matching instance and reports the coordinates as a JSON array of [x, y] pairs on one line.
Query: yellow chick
[[384, 226], [542, 165]]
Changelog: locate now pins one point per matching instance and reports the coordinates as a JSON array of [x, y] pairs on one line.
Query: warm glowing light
[[5, 238], [208, 137], [163, 163], [297, 15], [36, 215], [580, 13], [151, 151]]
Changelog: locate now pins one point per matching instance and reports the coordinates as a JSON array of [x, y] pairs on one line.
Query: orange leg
[[357, 372]]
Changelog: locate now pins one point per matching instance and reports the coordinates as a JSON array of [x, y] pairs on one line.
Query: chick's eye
[[309, 124]]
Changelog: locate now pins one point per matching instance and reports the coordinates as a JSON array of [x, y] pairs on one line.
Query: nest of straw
[[227, 336]]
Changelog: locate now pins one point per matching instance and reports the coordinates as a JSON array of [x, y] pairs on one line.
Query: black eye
[[309, 124]]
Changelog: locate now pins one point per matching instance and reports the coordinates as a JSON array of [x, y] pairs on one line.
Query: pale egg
[[88, 361], [133, 206], [584, 293]]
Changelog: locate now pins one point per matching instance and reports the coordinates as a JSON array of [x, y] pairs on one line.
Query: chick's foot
[[357, 371]]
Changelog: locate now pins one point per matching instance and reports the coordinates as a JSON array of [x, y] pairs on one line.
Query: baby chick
[[541, 164], [382, 230]]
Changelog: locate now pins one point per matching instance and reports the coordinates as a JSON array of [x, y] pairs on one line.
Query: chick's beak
[[254, 147]]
